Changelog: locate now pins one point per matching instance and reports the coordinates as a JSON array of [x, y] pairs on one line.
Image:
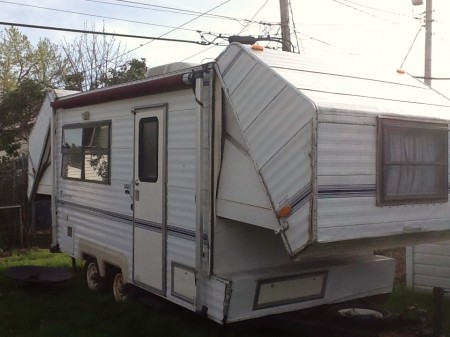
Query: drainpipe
[[199, 281]]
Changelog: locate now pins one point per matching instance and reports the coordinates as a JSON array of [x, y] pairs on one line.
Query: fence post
[[438, 294]]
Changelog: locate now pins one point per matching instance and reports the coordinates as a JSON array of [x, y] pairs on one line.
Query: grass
[[417, 304], [71, 310]]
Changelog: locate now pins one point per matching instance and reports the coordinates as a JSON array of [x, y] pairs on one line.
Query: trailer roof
[[337, 84], [352, 85]]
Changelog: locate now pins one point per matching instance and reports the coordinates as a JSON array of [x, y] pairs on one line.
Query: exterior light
[[86, 115]]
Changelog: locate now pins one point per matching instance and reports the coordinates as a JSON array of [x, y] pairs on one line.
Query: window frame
[[87, 151], [383, 126]]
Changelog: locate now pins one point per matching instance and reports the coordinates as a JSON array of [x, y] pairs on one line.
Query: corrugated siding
[[275, 119], [38, 136], [37, 139], [346, 178], [111, 199], [348, 95], [430, 265]]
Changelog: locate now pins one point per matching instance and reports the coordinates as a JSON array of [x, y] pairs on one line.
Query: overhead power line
[[251, 20], [97, 16], [349, 4], [83, 31], [379, 9], [410, 47], [142, 5], [180, 26], [295, 29]]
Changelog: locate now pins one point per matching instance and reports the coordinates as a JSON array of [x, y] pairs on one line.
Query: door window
[[148, 149]]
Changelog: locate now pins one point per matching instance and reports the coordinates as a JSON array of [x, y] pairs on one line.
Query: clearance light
[[257, 47], [284, 211]]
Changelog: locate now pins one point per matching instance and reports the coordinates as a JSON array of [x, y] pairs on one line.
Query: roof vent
[[168, 68]]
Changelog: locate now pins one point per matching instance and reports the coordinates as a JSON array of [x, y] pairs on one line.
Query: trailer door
[[149, 225]]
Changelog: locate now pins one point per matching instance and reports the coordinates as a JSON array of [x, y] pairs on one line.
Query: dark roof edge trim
[[115, 93]]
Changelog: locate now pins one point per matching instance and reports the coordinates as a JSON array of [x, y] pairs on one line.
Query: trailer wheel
[[119, 286], [94, 281]]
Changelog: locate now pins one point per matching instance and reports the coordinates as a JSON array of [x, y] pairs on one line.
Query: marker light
[[257, 47], [284, 211]]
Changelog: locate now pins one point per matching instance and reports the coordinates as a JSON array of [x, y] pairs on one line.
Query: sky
[[389, 33]]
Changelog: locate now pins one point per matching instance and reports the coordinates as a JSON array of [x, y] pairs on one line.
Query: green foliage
[[17, 108], [130, 71], [74, 81], [416, 305], [20, 60], [16, 54], [50, 66], [25, 71], [88, 62]]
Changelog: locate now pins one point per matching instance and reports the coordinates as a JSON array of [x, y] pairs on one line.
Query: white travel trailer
[[257, 184]]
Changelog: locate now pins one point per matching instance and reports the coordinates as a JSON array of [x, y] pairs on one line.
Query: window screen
[[148, 149], [412, 162]]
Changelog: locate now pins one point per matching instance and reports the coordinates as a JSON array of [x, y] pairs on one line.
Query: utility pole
[[428, 40], [285, 32]]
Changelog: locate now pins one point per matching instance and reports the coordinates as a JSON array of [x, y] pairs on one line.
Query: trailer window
[[412, 162], [86, 152], [148, 149]]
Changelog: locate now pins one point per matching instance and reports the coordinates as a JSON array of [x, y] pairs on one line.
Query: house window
[[412, 162], [86, 152], [148, 149]]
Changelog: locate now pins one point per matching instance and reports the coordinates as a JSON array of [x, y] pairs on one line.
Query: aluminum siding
[[101, 213], [429, 266], [346, 176], [38, 136], [275, 119]]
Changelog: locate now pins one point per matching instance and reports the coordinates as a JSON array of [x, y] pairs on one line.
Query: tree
[[18, 109], [92, 60], [130, 71], [15, 59], [25, 71], [87, 63], [50, 66], [20, 60]]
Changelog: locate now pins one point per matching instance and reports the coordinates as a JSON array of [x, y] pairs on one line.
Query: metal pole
[[285, 32], [428, 40]]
